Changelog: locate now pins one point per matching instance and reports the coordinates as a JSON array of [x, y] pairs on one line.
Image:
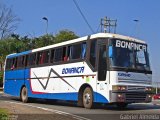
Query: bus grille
[[135, 97], [136, 88]]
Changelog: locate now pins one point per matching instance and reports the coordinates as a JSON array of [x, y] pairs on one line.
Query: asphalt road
[[100, 112]]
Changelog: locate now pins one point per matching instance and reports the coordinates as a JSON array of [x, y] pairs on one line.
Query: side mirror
[[110, 51]]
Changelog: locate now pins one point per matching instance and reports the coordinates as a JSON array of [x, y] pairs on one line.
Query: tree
[[65, 35], [43, 41], [8, 21]]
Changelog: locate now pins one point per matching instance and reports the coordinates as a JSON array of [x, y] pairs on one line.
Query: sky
[[63, 14]]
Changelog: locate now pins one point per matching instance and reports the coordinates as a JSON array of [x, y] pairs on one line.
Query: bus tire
[[88, 98], [24, 95]]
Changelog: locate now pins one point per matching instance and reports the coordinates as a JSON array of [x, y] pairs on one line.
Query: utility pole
[[108, 25]]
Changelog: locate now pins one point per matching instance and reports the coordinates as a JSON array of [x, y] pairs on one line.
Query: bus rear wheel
[[88, 98], [24, 95]]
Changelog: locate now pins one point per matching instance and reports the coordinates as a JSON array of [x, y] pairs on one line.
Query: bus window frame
[[49, 63], [70, 60]]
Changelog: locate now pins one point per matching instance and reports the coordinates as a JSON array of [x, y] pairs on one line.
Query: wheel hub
[[87, 98]]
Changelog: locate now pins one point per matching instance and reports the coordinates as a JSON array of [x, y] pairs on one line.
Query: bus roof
[[98, 35], [93, 36], [18, 54]]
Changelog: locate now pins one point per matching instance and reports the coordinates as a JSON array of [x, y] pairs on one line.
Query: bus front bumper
[[130, 97]]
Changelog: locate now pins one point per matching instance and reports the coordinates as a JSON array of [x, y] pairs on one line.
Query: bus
[[99, 68]]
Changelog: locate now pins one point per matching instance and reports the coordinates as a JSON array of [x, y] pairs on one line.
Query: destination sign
[[130, 45]]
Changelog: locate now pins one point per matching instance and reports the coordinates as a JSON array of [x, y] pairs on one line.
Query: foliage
[[43, 41], [15, 43], [4, 114], [65, 35], [1, 78]]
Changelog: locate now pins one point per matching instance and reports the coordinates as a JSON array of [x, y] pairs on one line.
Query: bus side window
[[21, 62], [84, 47], [65, 57], [26, 60], [14, 63], [52, 56], [92, 58], [43, 57], [31, 59], [46, 56], [58, 54], [75, 51], [68, 53], [8, 64], [39, 58]]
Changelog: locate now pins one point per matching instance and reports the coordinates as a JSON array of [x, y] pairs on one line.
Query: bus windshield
[[131, 55]]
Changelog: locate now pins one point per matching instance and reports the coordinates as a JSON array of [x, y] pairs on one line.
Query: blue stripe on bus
[[100, 98], [18, 54], [68, 96], [63, 96]]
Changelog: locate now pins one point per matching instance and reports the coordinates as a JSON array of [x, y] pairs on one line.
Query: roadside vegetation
[[4, 115], [1, 78]]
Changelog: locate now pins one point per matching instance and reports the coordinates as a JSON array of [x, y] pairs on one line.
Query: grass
[[3, 114]]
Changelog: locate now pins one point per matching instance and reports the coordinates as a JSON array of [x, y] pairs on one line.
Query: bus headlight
[[119, 88], [148, 89]]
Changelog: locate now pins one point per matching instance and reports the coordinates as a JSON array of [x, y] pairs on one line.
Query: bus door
[[102, 79]]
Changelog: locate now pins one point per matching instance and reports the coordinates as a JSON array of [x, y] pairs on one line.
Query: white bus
[[99, 68]]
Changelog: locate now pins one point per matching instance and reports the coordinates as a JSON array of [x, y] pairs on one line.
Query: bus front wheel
[[24, 95], [88, 98]]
